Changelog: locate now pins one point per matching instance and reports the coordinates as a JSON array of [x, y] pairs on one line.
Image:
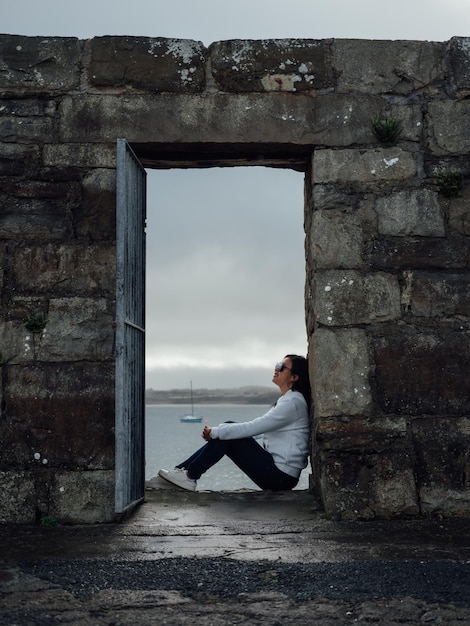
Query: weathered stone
[[271, 65], [331, 197], [59, 415], [84, 326], [16, 344], [336, 239], [347, 297], [18, 160], [459, 62], [388, 66], [459, 213], [222, 118], [359, 434], [411, 212], [423, 373], [443, 501], [364, 486], [36, 189], [443, 454], [65, 269], [22, 130], [363, 166], [417, 252], [149, 64], [80, 155], [17, 495], [449, 130], [95, 217], [442, 446], [341, 376], [436, 294], [46, 64], [27, 121], [83, 497], [33, 219], [27, 108]]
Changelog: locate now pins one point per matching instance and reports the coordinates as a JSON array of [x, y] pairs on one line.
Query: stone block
[[362, 166], [435, 294], [444, 502], [27, 121], [459, 213], [149, 64], [360, 433], [238, 119], [40, 64], [459, 63], [448, 127], [64, 269], [417, 253], [90, 155], [271, 65], [95, 217], [410, 212], [27, 130], [18, 160], [17, 495], [443, 464], [348, 297], [33, 219], [423, 373], [58, 415], [79, 328], [331, 197], [340, 374], [83, 497], [16, 344], [369, 485], [388, 66], [336, 239]]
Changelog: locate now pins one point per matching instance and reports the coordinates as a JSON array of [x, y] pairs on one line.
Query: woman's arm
[[287, 409]]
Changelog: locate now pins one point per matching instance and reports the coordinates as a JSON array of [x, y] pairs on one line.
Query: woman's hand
[[206, 433]]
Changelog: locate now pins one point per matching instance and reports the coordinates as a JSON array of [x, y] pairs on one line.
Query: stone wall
[[387, 291]]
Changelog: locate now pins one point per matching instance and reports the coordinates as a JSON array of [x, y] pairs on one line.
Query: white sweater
[[285, 429]]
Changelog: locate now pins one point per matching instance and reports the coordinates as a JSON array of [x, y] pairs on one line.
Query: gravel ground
[[436, 581]]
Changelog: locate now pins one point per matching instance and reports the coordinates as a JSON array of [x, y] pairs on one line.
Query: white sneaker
[[179, 478]]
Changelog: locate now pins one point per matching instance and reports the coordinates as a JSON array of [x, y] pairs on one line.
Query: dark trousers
[[248, 455]]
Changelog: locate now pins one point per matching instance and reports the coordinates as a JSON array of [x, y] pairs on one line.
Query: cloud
[[226, 270]]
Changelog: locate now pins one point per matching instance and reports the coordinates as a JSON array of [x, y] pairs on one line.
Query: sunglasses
[[280, 367]]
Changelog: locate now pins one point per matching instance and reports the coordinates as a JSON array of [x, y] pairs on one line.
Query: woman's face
[[283, 374]]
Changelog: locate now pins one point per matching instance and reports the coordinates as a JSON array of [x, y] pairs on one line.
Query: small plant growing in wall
[[35, 323], [387, 130], [48, 521], [450, 184]]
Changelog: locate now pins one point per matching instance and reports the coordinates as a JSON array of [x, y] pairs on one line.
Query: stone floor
[[236, 558]]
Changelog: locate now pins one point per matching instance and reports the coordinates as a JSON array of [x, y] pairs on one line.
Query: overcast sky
[[225, 264]]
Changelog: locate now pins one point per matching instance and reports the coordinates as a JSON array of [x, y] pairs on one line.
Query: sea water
[[168, 442]]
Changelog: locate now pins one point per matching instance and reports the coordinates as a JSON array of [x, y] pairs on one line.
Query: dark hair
[[302, 384]]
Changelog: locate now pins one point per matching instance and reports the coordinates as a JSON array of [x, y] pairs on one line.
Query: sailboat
[[191, 417]]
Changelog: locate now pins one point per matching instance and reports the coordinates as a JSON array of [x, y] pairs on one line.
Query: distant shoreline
[[242, 395]]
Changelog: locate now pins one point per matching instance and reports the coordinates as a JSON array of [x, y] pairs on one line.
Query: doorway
[[245, 243], [225, 297]]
